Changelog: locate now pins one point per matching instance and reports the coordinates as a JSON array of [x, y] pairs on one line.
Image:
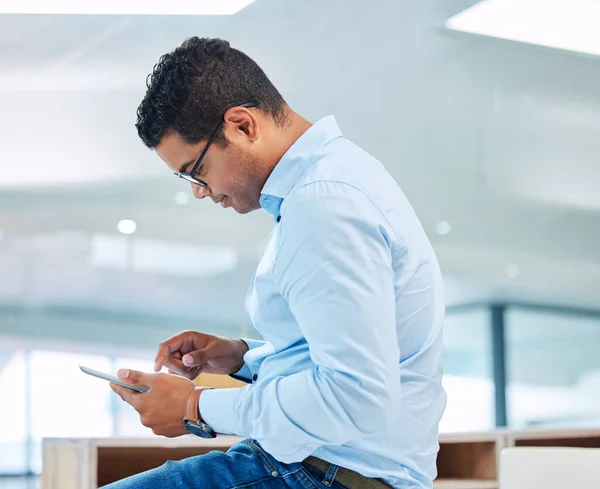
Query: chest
[[268, 310]]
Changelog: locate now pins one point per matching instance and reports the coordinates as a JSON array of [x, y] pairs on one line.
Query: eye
[[200, 170]]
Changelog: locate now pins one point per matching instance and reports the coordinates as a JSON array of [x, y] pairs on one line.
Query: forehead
[[176, 152]]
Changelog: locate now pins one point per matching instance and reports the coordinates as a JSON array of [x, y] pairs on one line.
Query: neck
[[289, 133], [282, 137]]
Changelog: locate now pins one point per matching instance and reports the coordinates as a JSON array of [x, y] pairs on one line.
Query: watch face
[[199, 429]]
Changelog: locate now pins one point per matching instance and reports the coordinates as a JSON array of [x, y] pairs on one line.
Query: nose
[[199, 191]]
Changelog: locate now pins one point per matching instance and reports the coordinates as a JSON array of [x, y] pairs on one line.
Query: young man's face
[[232, 174]]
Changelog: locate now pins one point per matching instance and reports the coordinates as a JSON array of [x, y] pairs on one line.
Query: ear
[[241, 123]]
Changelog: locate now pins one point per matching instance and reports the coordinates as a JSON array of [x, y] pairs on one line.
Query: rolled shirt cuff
[[217, 407], [244, 374], [253, 343]]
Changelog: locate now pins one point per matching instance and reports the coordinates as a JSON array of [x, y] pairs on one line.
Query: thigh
[[245, 466], [241, 467], [294, 475]]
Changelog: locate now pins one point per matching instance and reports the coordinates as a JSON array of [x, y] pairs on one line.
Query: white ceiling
[[497, 138]]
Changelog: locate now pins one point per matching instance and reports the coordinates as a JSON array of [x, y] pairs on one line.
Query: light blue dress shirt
[[348, 298]]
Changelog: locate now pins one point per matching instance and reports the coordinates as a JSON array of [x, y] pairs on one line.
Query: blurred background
[[486, 113]]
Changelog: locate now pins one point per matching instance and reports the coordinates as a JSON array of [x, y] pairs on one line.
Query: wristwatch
[[193, 422]]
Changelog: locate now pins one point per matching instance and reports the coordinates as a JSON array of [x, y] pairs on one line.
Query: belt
[[348, 478]]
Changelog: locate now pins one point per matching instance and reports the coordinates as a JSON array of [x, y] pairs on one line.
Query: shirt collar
[[296, 160]]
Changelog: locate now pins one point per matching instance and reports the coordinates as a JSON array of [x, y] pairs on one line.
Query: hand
[[190, 353], [162, 408]]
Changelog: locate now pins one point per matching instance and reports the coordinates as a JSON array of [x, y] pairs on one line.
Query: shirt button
[[278, 218], [254, 377]]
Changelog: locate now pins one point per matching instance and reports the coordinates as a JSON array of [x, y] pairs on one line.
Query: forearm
[[291, 416]]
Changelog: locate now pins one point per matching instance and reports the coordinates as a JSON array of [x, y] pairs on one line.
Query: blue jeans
[[244, 466]]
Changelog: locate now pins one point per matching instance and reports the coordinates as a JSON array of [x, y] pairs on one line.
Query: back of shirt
[[411, 439]]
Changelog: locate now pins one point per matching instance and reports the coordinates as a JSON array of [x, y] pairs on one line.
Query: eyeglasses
[[190, 176]]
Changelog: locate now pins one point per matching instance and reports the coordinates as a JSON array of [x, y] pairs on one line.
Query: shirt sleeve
[[244, 374], [334, 268]]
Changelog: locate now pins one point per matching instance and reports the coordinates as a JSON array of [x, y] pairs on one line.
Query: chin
[[245, 209]]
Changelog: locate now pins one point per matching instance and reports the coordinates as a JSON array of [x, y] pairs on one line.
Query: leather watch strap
[[192, 409]]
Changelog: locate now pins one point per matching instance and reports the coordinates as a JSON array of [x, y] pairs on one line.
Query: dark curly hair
[[191, 88]]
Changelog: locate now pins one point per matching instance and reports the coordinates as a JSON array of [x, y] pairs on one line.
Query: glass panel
[[127, 421], [65, 402], [13, 424], [553, 369], [468, 377]]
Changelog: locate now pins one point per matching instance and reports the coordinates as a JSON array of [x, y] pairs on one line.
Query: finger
[[194, 358], [189, 373], [176, 365], [178, 372], [136, 377], [124, 393], [162, 356], [166, 348]]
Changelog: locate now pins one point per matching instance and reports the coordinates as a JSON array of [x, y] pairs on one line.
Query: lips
[[223, 202]]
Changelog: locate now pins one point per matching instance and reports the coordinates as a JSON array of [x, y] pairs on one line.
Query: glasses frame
[[190, 176]]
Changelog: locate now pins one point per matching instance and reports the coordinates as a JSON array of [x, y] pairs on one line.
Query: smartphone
[[114, 379]]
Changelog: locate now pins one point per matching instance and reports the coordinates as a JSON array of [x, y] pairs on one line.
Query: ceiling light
[[126, 226], [513, 271], [570, 25], [181, 198], [125, 7], [443, 228]]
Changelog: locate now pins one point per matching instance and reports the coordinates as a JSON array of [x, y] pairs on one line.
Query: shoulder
[[329, 202], [342, 161], [344, 182]]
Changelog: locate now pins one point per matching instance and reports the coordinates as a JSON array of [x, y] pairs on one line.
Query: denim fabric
[[245, 466]]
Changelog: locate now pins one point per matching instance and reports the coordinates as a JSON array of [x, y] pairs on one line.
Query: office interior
[[489, 126]]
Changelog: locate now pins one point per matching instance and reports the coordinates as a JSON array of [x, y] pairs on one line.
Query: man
[[345, 391]]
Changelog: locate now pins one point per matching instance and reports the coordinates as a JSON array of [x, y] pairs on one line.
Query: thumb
[[194, 358], [134, 377]]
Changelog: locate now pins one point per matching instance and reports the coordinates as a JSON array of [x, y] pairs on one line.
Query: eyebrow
[[185, 165]]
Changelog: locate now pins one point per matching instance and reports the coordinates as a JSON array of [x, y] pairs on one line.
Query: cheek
[[225, 184], [232, 174]]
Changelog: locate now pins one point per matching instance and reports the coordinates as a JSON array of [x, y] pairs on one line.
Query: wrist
[[193, 422], [244, 346], [241, 349], [192, 405]]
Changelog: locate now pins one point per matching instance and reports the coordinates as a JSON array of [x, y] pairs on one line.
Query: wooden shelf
[[465, 460], [469, 457], [554, 438]]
